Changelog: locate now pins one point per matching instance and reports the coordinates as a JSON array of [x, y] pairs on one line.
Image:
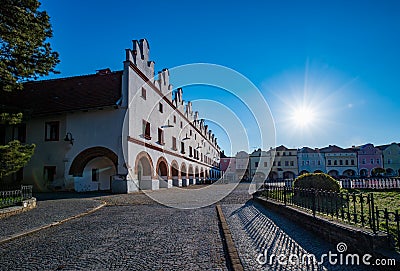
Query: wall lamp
[[69, 138]]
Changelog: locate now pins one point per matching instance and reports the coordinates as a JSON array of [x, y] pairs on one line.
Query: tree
[[14, 156], [25, 54]]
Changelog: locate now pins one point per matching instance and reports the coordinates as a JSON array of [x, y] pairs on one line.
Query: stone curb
[[14, 210], [233, 255], [18, 235]]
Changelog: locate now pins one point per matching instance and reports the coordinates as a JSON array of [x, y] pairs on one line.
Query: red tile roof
[[66, 94]]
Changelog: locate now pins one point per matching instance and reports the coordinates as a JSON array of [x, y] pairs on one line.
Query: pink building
[[228, 164], [369, 158]]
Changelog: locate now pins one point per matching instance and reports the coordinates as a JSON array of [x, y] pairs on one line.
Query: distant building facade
[[340, 162], [369, 159], [311, 161], [391, 158], [284, 165]]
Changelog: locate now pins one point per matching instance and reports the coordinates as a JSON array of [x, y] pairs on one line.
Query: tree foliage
[[24, 50], [25, 54], [14, 156], [320, 181]]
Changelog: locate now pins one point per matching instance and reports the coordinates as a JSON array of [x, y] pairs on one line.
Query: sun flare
[[303, 117]]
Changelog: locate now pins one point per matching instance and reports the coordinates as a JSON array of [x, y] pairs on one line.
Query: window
[[274, 164], [389, 161], [335, 162], [287, 163], [183, 147], [329, 162], [190, 132], [194, 136], [319, 163], [341, 162], [372, 161], [181, 124], [19, 133], [352, 162], [160, 136], [265, 164], [378, 161], [144, 93], [146, 130], [175, 119], [279, 163], [303, 163], [95, 174], [291, 163], [160, 107], [52, 132], [190, 151], [49, 173], [201, 157], [364, 161], [174, 143], [307, 162], [277, 153], [256, 164]]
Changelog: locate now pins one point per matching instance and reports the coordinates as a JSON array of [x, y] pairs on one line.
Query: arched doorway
[[143, 171], [185, 181], [333, 173], [288, 175], [162, 173], [349, 173], [175, 173], [191, 175], [363, 172], [196, 176], [390, 172], [93, 169], [273, 175]]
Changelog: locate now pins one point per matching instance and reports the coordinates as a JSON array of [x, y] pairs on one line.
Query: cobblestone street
[[131, 233], [258, 231], [134, 232]]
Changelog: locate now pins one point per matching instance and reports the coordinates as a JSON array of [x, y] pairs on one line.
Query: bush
[[320, 181]]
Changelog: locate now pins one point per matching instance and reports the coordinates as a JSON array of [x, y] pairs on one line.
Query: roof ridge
[[71, 77]]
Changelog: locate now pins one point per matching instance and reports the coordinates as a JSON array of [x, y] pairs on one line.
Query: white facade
[[112, 146]]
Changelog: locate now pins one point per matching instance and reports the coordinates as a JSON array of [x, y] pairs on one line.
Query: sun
[[303, 116]]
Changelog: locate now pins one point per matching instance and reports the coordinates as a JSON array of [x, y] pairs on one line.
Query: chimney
[[103, 71]]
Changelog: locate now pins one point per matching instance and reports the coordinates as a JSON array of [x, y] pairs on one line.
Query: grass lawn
[[389, 199]]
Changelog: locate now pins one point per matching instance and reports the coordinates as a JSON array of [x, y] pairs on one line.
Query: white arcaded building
[[124, 130]]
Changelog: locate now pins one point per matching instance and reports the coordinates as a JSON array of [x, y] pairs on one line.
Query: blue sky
[[336, 60]]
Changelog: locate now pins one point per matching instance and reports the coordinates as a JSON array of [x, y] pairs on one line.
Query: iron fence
[[15, 196], [353, 208]]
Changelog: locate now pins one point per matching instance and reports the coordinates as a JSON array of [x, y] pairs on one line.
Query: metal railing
[[352, 208], [14, 196]]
